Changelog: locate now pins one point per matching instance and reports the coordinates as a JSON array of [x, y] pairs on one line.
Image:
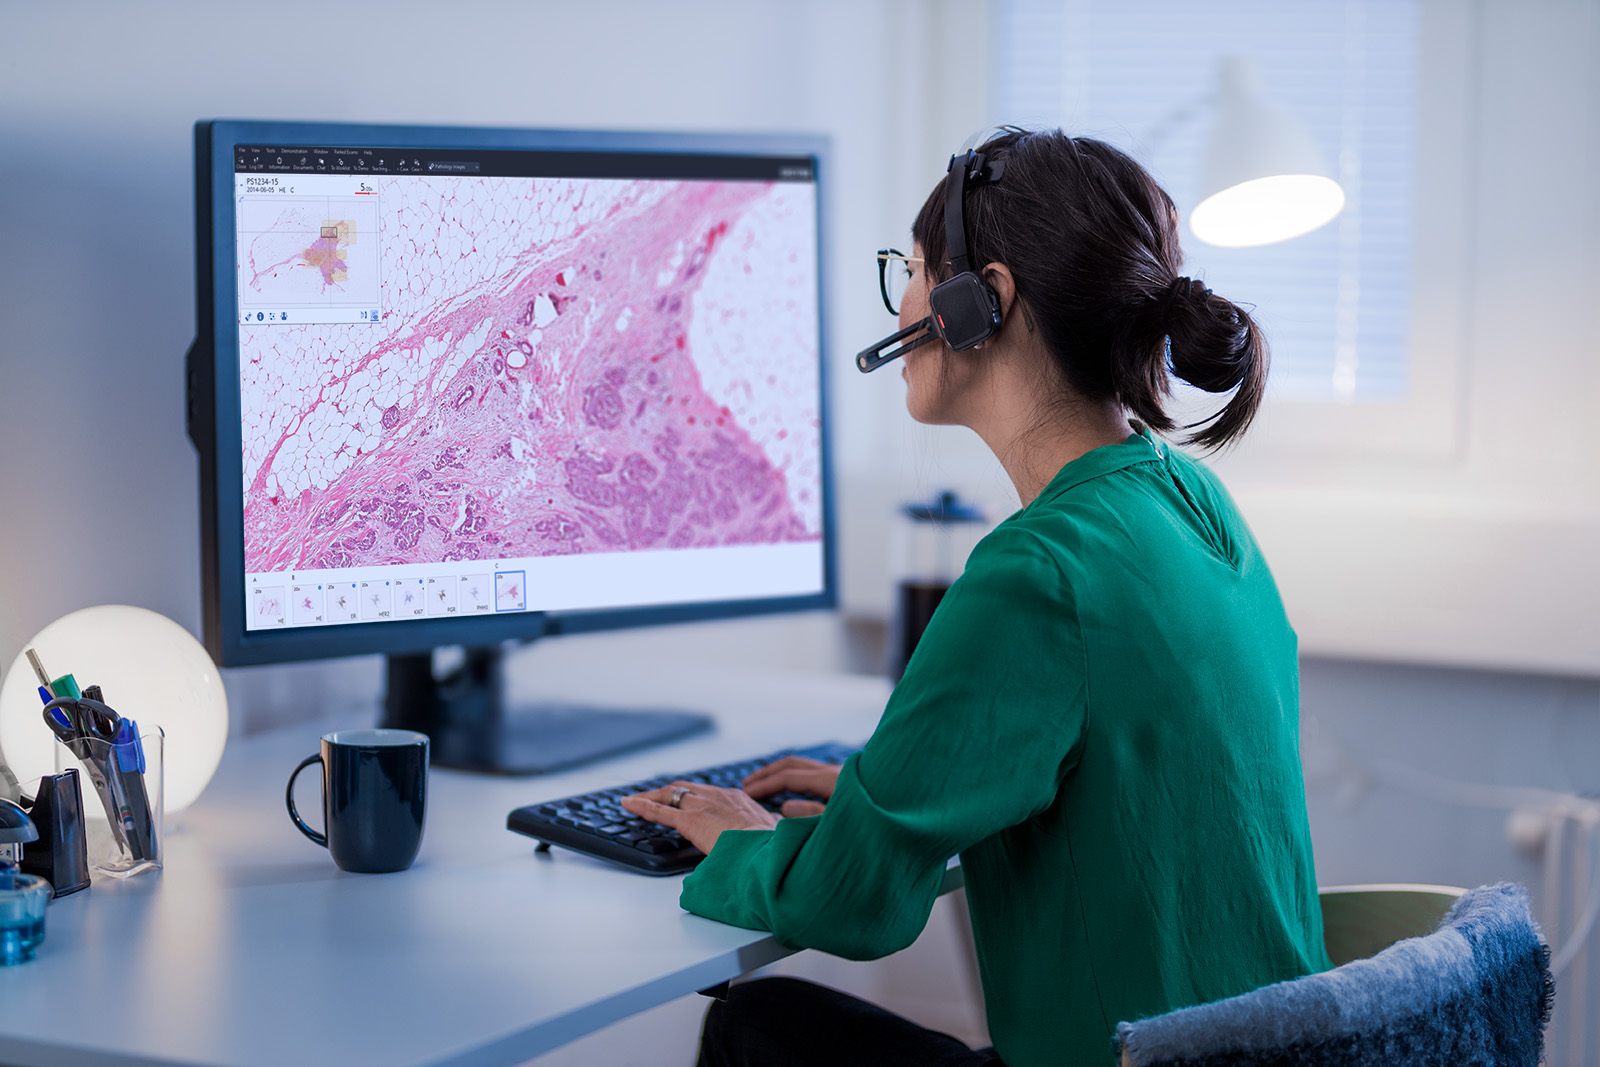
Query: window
[[1137, 73]]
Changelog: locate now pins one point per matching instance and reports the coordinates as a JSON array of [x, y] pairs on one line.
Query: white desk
[[251, 948]]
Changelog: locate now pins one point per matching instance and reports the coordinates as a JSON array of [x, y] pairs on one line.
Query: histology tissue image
[[560, 366]]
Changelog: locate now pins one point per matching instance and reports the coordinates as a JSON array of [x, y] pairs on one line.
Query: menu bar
[[541, 163]]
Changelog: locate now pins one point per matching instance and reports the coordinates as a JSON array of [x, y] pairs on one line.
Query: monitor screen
[[481, 384]]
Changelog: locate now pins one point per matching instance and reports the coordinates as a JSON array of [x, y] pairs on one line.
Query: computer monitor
[[460, 387]]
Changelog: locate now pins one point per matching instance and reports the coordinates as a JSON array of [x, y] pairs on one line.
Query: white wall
[[1470, 541]]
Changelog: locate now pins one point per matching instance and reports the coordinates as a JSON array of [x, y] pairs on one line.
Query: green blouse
[[1102, 720]]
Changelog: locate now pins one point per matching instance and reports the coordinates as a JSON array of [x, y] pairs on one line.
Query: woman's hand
[[794, 774], [703, 811]]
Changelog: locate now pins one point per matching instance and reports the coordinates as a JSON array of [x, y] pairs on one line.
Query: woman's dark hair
[[1092, 242]]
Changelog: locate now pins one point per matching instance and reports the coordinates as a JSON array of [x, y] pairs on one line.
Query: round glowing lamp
[[151, 670], [1263, 177]]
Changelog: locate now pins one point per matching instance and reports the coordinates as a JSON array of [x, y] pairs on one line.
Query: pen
[[130, 750], [128, 767], [40, 673]]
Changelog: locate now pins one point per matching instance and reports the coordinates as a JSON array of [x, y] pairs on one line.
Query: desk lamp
[[152, 671], [1263, 177]]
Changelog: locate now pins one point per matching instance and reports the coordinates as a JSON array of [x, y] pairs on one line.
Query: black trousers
[[784, 1022]]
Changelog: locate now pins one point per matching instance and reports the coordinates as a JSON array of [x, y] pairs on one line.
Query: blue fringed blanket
[[1476, 991]]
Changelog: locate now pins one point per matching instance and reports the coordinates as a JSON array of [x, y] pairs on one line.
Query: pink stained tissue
[[560, 366]]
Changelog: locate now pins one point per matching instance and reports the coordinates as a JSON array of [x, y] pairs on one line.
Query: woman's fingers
[[787, 763], [656, 804], [653, 806], [703, 811], [799, 809], [817, 779]]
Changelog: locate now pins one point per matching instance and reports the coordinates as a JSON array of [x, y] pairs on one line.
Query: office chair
[[1477, 989]]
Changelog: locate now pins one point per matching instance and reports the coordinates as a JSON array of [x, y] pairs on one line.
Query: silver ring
[[677, 797]]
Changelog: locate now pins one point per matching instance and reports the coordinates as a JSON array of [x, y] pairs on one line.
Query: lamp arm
[[1154, 136]]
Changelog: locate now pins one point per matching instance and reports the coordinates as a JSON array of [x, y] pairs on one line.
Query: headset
[[965, 308]]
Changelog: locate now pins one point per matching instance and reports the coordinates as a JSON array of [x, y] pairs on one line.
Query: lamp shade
[[1263, 178], [151, 669]]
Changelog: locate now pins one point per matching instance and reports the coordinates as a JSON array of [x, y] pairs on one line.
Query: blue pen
[[130, 750], [138, 819]]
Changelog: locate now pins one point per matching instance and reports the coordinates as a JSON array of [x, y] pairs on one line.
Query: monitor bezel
[[214, 402]]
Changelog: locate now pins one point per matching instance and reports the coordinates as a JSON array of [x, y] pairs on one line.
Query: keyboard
[[596, 824]]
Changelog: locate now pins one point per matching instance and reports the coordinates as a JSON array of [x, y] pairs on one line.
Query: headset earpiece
[[966, 310]]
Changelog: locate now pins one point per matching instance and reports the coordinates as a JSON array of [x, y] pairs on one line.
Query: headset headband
[[969, 169]]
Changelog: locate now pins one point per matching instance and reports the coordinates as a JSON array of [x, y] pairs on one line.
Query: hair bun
[[1216, 346]]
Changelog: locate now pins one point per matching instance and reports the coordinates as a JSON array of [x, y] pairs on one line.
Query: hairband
[[1187, 285]]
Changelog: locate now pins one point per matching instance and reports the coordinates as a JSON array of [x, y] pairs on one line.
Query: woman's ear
[[998, 275]]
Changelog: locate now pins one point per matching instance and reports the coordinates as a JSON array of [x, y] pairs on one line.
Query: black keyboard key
[[657, 845]]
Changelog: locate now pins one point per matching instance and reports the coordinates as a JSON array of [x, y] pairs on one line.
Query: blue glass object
[[22, 902]]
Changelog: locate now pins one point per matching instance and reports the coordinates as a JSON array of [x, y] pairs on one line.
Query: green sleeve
[[977, 737]]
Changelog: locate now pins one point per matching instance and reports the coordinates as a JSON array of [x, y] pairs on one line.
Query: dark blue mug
[[374, 794]]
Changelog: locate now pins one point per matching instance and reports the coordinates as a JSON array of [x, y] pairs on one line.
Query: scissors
[[71, 720], [60, 723]]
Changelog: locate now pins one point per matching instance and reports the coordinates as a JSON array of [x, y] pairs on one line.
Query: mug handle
[[288, 796]]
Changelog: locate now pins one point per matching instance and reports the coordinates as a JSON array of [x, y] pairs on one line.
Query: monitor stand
[[465, 716]]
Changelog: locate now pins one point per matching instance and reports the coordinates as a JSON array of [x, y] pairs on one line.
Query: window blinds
[[1138, 73]]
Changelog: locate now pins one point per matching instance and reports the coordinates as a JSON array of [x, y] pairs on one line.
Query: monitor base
[[471, 729]]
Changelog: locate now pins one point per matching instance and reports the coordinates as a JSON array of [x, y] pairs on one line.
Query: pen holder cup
[[123, 801]]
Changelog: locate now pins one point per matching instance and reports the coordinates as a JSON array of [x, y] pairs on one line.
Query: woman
[[1101, 718]]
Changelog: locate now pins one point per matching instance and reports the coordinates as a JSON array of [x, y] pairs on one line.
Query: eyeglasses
[[894, 275]]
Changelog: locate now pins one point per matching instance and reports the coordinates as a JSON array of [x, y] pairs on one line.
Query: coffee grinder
[[930, 548]]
